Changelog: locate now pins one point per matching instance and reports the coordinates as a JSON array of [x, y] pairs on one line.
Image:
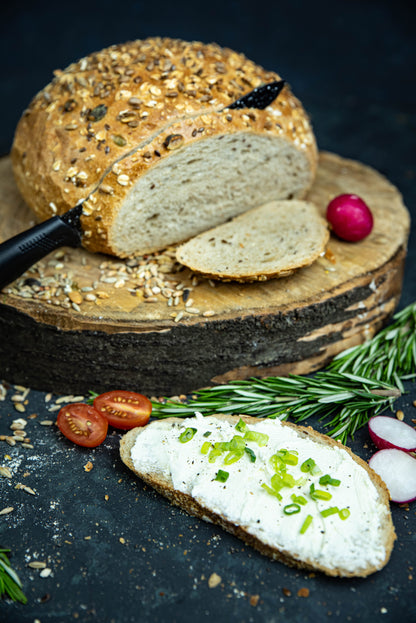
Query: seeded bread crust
[[164, 486], [115, 115], [267, 242]]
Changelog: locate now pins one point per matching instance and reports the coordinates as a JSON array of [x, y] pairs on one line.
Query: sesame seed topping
[[123, 179]]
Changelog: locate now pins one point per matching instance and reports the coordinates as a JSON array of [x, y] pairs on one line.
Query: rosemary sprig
[[10, 583], [345, 399], [358, 384], [390, 356]]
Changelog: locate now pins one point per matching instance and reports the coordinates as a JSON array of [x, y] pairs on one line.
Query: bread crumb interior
[[205, 184]]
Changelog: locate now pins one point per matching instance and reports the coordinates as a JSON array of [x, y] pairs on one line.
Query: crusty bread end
[[142, 133]]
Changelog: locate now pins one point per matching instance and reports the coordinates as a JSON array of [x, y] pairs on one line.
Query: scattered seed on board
[[179, 316], [158, 271], [7, 510]]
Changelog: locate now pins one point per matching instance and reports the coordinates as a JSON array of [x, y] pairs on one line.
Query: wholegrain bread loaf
[[270, 241], [143, 133], [292, 493]]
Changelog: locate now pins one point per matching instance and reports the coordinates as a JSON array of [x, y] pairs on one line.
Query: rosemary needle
[[359, 383], [10, 583]]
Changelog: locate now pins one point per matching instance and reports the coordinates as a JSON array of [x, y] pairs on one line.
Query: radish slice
[[389, 432], [398, 470]]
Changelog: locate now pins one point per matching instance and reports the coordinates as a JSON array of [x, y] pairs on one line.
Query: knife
[[25, 249]]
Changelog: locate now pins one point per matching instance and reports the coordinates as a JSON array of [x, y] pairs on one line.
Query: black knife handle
[[22, 251]]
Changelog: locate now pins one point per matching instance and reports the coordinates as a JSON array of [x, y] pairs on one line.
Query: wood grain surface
[[121, 340]]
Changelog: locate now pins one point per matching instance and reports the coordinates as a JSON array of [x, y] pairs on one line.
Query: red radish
[[350, 217], [389, 432], [398, 471]]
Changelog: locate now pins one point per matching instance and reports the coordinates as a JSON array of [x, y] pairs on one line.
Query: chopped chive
[[213, 455], [237, 443], [315, 470], [327, 480], [232, 457], [277, 463], [222, 476], [306, 524], [207, 433], [205, 447], [307, 465], [321, 495], [251, 454], [187, 435], [271, 491], [344, 513], [318, 494], [276, 482], [222, 446], [291, 509], [330, 511], [260, 438], [241, 426], [298, 499], [288, 480], [288, 456]]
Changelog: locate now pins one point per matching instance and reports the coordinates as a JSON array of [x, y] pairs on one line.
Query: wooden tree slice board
[[157, 346]]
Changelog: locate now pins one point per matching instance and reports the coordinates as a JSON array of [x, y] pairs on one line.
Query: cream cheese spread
[[349, 544]]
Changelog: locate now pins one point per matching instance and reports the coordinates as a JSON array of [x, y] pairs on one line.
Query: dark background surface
[[352, 63]]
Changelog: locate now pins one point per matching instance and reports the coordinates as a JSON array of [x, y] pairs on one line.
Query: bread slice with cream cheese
[[292, 493]]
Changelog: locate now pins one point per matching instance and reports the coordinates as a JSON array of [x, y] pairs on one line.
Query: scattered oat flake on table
[[88, 466], [37, 564], [213, 580], [254, 600], [25, 488], [18, 424], [5, 471]]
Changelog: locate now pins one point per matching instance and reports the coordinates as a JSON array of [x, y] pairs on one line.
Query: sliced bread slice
[[320, 507], [270, 241]]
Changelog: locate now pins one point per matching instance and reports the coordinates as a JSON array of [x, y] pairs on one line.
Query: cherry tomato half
[[124, 409], [82, 424]]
